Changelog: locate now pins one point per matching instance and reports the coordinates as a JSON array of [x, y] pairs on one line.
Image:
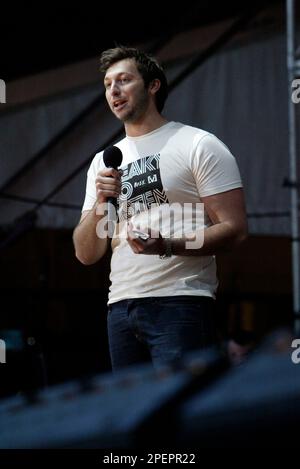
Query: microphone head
[[112, 157]]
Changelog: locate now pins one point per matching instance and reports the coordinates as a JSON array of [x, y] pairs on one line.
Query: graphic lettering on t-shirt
[[141, 187]]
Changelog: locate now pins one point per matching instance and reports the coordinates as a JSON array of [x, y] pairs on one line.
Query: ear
[[154, 86]]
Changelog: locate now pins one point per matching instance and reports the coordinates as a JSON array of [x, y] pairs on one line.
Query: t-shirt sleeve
[[90, 192], [214, 167]]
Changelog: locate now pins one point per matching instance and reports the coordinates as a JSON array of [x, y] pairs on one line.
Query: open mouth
[[119, 104]]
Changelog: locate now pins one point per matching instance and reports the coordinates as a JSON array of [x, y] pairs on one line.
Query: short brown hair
[[147, 65]]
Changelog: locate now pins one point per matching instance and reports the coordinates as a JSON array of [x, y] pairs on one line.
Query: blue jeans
[[160, 329]]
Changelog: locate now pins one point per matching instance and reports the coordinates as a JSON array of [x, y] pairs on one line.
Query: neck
[[147, 123]]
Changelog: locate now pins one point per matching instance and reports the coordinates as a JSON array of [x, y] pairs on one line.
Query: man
[[161, 300]]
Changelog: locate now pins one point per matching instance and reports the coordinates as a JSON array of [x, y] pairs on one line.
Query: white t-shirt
[[175, 164]]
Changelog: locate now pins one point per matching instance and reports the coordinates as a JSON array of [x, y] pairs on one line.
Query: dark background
[[39, 37]]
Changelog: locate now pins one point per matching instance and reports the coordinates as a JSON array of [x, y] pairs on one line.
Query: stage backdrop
[[239, 94]]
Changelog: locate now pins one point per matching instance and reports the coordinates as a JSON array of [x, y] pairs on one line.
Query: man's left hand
[[153, 245]]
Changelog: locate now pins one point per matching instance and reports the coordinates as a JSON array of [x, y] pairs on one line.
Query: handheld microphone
[[112, 158]]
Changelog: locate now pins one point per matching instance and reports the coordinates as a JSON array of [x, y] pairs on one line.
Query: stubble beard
[[134, 114]]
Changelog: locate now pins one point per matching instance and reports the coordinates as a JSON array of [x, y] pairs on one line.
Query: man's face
[[125, 91]]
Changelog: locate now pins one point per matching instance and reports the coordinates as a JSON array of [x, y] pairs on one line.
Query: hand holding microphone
[[108, 180], [108, 184]]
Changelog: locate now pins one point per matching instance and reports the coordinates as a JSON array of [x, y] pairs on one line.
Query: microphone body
[[112, 158]]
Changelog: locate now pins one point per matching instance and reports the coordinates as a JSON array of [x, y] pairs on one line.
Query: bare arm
[[89, 247], [228, 215]]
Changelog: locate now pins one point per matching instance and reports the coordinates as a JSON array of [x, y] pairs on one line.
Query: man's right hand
[[108, 184]]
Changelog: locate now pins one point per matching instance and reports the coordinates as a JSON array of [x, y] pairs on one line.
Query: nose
[[114, 89]]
